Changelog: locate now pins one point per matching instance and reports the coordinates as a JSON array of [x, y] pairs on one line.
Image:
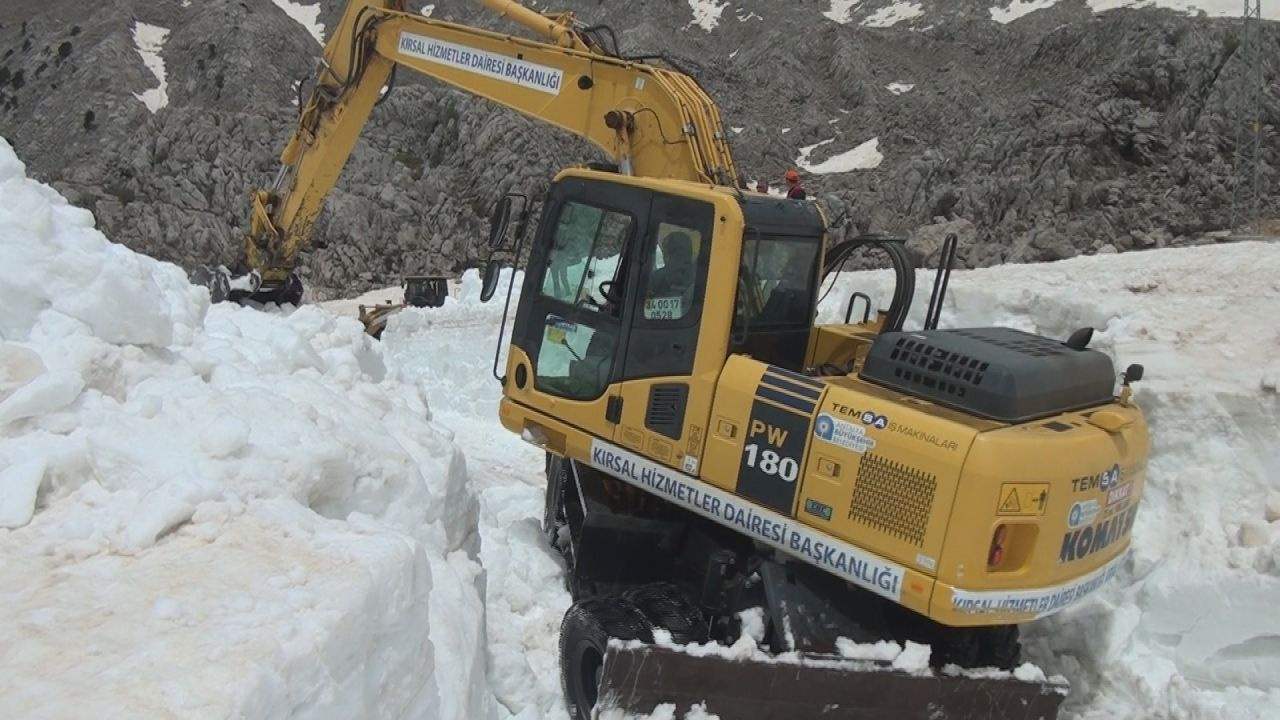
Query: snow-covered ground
[[213, 511]]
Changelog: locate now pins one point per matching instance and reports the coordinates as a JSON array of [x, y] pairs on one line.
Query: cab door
[[667, 377], [571, 319]]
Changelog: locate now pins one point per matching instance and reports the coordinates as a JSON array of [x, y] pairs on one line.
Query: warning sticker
[[1023, 499]]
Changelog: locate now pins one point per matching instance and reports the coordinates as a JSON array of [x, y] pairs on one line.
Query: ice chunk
[[19, 485]]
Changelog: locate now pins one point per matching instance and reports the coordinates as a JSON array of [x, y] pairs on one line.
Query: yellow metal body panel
[[915, 484], [841, 344], [889, 472], [686, 451]]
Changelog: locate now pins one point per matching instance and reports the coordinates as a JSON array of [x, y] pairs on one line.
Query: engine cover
[[996, 373]]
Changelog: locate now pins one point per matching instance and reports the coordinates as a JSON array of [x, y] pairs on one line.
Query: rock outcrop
[[1061, 133]]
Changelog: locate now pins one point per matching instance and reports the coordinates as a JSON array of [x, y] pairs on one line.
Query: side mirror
[[1133, 374], [489, 279], [499, 221]]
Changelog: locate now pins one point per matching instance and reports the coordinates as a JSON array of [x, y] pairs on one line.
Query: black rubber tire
[[666, 606], [998, 647], [584, 637]]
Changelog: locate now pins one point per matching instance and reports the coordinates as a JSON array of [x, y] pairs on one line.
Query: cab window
[[673, 280], [778, 281], [576, 352], [585, 250]]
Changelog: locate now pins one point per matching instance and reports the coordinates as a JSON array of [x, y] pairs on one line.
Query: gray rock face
[[1061, 133]]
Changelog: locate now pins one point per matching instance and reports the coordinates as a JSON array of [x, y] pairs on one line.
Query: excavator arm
[[651, 121]]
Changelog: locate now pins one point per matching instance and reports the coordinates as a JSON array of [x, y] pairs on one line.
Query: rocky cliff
[[1061, 132]]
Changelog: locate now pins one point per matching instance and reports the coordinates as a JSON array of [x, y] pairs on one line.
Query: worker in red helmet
[[795, 191]]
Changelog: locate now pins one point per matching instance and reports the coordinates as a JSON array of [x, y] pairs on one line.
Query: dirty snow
[[863, 157], [306, 15], [267, 514], [898, 88], [706, 13], [148, 41]]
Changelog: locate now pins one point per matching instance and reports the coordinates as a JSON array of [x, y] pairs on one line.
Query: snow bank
[[448, 353], [1188, 629], [148, 40], [214, 511]]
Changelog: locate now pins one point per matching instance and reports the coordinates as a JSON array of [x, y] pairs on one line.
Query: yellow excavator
[[746, 501]]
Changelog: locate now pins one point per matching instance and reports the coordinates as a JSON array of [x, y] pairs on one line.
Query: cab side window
[[585, 254], [672, 286], [667, 309], [778, 277], [576, 353]]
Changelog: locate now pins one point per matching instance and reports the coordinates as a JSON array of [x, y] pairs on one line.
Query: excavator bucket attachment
[[637, 680], [246, 288]]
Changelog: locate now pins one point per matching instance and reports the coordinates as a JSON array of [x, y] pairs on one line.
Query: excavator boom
[[650, 121]]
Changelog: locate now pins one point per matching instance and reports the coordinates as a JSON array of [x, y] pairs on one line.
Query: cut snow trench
[[148, 40], [236, 513]]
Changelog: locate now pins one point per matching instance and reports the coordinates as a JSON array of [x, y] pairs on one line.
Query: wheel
[[998, 647], [584, 637], [666, 606]]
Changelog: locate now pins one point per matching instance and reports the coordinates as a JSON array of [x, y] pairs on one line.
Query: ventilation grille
[[893, 498], [1017, 341], [665, 413], [917, 362]]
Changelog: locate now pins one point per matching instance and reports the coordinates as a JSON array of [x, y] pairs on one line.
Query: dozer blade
[[637, 680]]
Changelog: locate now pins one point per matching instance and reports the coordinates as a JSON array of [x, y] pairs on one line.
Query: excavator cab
[[638, 289]]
